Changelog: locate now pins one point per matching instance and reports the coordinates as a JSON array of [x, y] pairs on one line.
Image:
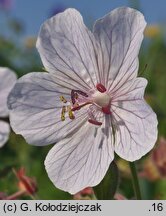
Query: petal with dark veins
[[81, 160], [35, 109], [135, 121]]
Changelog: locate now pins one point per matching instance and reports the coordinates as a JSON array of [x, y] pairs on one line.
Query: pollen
[[70, 113], [62, 98], [63, 113], [67, 109]]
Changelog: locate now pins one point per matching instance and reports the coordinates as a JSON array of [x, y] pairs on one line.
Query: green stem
[[135, 181], [107, 187]]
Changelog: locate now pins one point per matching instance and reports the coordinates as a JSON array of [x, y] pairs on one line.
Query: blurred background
[[20, 21]]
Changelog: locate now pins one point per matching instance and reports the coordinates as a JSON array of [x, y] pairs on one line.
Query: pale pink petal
[[132, 89], [82, 160], [35, 109], [120, 34], [4, 133], [7, 81], [134, 121], [67, 49]]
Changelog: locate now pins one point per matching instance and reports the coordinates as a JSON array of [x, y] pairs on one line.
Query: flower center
[[101, 99]]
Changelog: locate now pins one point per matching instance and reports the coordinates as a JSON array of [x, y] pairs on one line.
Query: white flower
[[91, 102], [7, 81]]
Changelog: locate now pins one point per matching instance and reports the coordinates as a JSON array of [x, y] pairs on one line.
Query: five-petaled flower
[[91, 102], [7, 81]]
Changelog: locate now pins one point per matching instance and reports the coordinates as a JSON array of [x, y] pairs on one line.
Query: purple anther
[[81, 93], [73, 97]]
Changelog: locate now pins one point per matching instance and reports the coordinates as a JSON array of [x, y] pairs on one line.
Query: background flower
[[154, 167], [7, 81]]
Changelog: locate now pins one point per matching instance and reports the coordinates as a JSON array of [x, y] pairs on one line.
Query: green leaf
[[108, 186]]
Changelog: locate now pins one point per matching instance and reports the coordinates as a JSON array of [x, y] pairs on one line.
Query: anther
[[92, 121], [63, 113], [101, 88], [71, 115], [80, 92], [63, 99], [76, 95], [73, 97]]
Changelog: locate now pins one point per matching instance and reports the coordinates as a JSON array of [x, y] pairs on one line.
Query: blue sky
[[34, 12]]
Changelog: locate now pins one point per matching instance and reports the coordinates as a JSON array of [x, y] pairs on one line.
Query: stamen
[[92, 121], [71, 115], [63, 113], [101, 88], [80, 106], [63, 99], [73, 97], [80, 92], [76, 96], [76, 105]]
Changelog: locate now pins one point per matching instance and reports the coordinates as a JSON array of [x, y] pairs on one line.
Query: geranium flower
[[7, 81], [91, 102]]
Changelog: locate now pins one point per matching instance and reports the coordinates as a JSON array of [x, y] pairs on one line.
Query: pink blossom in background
[[154, 167]]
